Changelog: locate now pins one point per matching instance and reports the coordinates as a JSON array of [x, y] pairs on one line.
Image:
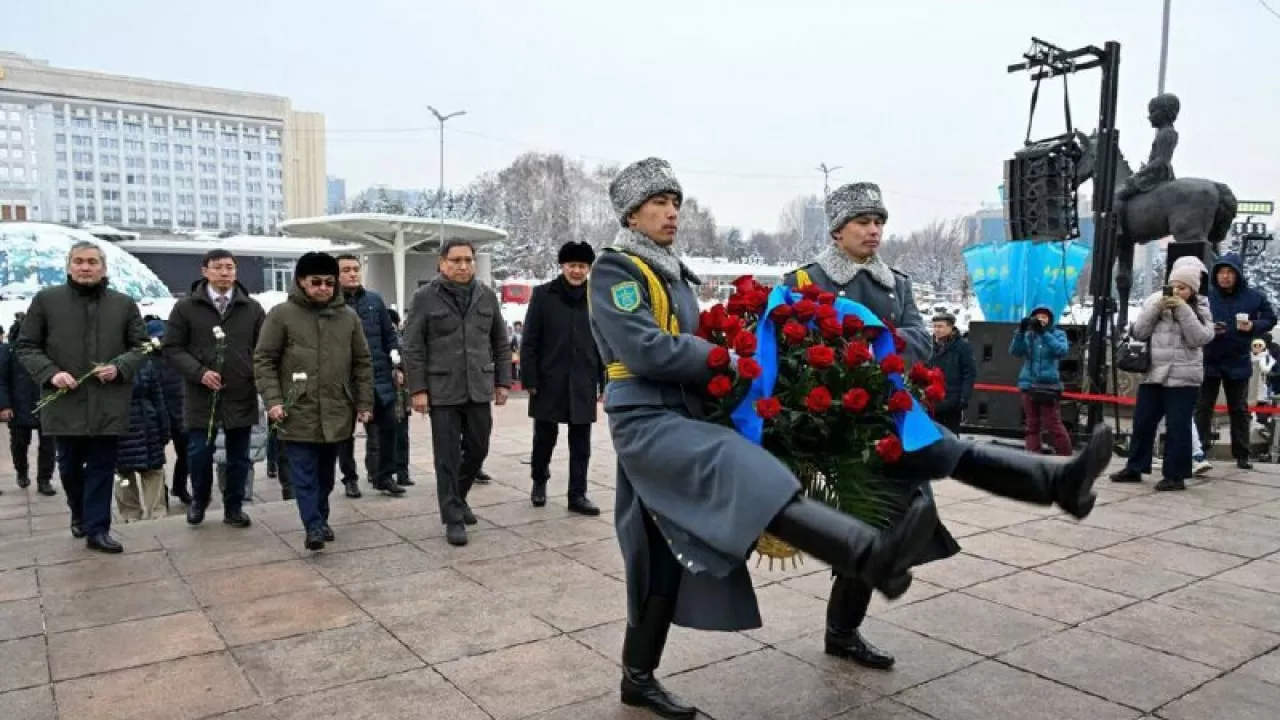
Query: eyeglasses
[[319, 282]]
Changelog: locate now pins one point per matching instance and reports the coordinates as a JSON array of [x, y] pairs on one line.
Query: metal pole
[[1148, 250], [440, 193], [1105, 227]]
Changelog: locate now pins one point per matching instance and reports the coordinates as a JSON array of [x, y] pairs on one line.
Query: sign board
[[1255, 207]]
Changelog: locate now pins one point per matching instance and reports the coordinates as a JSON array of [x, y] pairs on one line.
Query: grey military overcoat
[[710, 491]]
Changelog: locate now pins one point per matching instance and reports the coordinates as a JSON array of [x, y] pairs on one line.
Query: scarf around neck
[[661, 259], [842, 269]]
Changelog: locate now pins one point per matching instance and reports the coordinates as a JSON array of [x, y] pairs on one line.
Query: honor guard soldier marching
[[851, 268], [692, 496]]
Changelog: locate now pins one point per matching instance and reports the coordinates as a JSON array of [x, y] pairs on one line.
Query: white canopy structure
[[395, 235]]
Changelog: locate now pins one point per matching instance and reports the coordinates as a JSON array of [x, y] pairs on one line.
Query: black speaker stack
[[1040, 194], [999, 413]]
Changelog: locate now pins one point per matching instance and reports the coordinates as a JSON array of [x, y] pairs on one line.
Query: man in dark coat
[[209, 340], [692, 496], [852, 268], [173, 387], [71, 331], [380, 435], [561, 370], [952, 355], [457, 362], [312, 364], [19, 396], [1240, 314]]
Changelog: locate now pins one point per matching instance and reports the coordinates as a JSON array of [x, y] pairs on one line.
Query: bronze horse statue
[[1189, 209]]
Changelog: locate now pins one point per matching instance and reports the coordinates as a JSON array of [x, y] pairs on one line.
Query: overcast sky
[[744, 97]]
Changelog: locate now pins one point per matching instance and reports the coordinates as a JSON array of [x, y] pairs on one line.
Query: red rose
[[899, 401], [820, 357], [720, 386], [736, 305], [745, 284], [781, 313], [853, 325], [871, 333], [892, 364], [826, 312], [899, 344], [936, 376], [748, 368], [806, 309], [719, 315], [704, 322], [889, 448], [768, 408], [827, 298], [756, 301], [818, 400], [794, 332], [856, 353], [829, 328], [732, 326], [745, 344], [810, 292], [920, 374], [935, 393], [856, 400], [718, 358]]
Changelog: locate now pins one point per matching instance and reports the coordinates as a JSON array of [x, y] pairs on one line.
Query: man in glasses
[[315, 373], [457, 362]]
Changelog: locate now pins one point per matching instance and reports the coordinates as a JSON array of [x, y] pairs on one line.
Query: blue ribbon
[[915, 428]]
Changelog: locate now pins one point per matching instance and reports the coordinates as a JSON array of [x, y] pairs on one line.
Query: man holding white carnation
[[209, 340]]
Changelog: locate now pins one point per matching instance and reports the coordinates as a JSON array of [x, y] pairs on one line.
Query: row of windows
[[18, 173], [164, 198], [182, 183], [15, 134], [135, 129], [183, 218], [157, 148]]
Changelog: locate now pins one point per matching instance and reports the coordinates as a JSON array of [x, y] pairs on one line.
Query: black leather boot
[[45, 487], [641, 654], [878, 558], [846, 609], [1036, 479]]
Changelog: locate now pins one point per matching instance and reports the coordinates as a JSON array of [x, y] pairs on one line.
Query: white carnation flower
[[299, 377], [217, 332], [395, 357]]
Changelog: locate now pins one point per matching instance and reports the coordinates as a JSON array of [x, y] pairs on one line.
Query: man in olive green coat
[[313, 368], [70, 330]]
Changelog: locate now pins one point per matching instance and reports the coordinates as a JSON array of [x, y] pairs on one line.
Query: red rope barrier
[[1117, 399]]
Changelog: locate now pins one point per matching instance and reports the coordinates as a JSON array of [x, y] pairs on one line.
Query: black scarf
[[460, 293]]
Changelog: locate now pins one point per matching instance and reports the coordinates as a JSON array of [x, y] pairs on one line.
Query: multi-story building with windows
[[86, 147]]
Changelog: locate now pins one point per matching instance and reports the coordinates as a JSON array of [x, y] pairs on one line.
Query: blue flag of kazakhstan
[[915, 427]]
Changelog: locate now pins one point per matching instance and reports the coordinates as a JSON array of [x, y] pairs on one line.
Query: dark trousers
[[200, 459], [544, 443], [379, 467], [273, 452], [1237, 392], [87, 465], [402, 448], [1175, 405], [311, 470], [180, 468], [46, 452], [460, 443], [847, 605], [949, 419], [278, 456], [1045, 416]]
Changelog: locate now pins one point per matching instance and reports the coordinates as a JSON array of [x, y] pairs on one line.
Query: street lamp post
[[440, 197], [1147, 250]]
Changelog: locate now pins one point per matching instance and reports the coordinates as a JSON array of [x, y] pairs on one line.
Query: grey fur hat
[[849, 201], [640, 181]]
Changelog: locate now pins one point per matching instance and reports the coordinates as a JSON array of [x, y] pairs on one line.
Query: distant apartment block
[[79, 146], [337, 195]]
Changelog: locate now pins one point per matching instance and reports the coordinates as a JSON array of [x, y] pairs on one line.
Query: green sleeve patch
[[626, 296]]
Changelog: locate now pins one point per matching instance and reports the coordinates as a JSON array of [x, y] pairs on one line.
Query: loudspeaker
[[989, 342], [1199, 249], [1040, 191]]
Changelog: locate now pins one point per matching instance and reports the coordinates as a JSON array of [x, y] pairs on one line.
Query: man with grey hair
[[78, 329], [457, 365]]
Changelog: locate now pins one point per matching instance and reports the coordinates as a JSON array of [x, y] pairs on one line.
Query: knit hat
[[316, 263], [155, 328], [945, 317], [576, 252], [1187, 270], [640, 181], [849, 201]]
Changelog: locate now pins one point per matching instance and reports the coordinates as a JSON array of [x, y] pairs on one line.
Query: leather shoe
[[352, 489], [642, 689], [405, 482], [326, 532], [456, 534], [315, 540], [77, 528], [538, 495], [104, 543], [468, 517], [45, 487], [583, 506], [24, 481], [482, 478], [195, 513], [856, 648], [1244, 464], [237, 519], [183, 495], [388, 487]]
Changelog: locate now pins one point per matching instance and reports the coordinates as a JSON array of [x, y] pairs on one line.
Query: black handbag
[[1045, 394], [1133, 356]]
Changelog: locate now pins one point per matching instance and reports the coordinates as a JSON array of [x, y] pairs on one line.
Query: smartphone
[[1168, 291]]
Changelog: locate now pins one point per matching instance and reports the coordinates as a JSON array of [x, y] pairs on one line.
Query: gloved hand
[[1028, 323], [1172, 302]]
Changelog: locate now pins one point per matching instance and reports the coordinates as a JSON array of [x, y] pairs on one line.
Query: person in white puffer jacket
[[1176, 324]]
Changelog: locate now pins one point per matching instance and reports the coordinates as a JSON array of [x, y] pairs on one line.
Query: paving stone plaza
[[1157, 606]]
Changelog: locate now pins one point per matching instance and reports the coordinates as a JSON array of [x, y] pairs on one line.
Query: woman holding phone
[[1176, 324]]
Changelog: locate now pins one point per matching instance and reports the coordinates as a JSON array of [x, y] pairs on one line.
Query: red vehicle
[[516, 292]]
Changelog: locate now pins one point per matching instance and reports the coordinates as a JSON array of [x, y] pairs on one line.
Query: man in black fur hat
[[561, 369]]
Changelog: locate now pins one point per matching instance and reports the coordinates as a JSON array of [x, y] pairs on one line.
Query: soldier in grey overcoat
[[851, 268], [693, 496]]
